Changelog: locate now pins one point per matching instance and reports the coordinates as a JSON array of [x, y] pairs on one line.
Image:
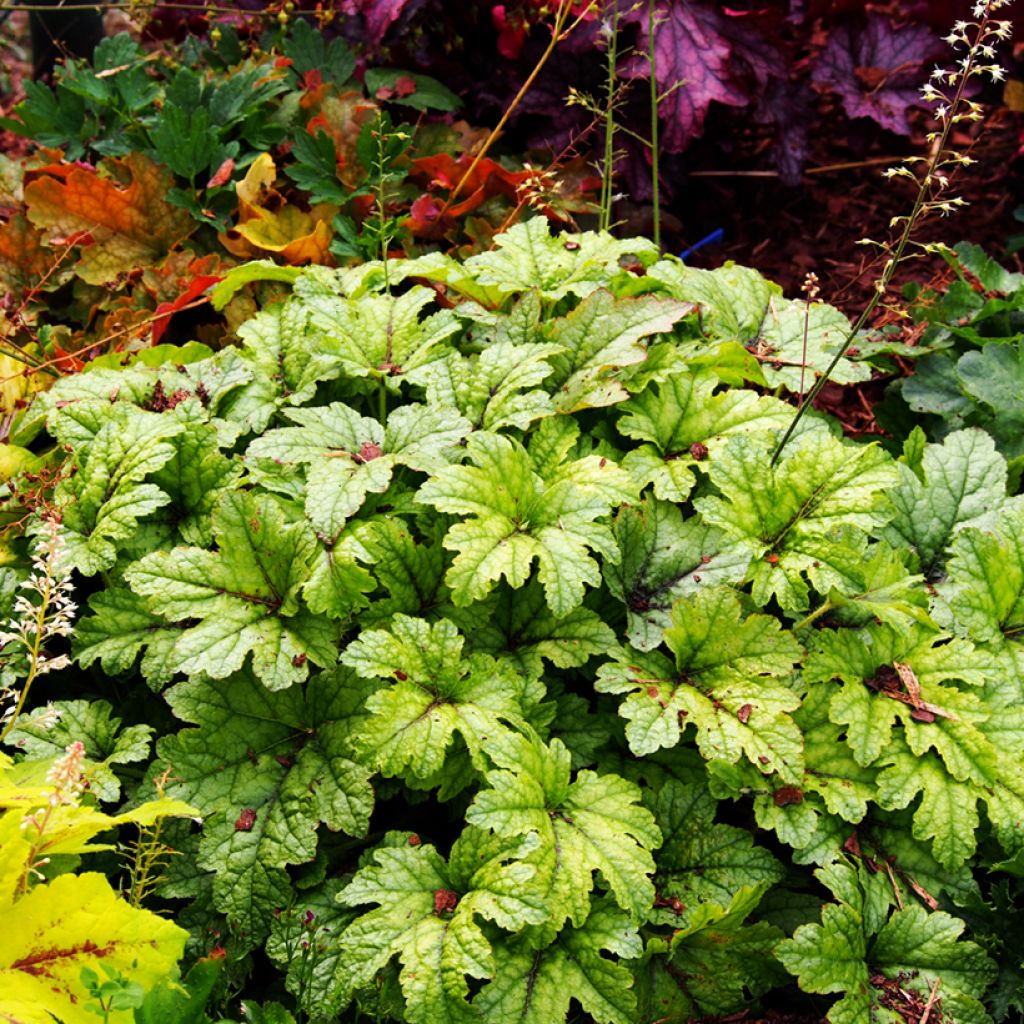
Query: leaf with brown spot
[[130, 226]]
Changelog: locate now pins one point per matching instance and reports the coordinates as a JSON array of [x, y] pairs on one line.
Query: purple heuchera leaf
[[877, 71], [713, 55], [379, 16], [788, 106]]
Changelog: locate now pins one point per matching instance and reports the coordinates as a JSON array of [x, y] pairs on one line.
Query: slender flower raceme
[[42, 613], [947, 89]]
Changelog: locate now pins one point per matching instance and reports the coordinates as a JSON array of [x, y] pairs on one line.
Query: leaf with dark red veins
[[267, 770], [728, 679], [427, 913], [245, 595]]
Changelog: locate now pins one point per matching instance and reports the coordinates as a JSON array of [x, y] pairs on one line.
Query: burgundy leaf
[[379, 16], [703, 55], [877, 71], [788, 106]]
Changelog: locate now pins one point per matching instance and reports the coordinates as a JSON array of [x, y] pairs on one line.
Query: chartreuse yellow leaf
[[51, 932], [69, 828], [74, 922]]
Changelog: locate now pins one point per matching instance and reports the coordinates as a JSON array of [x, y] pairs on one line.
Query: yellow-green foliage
[[52, 928]]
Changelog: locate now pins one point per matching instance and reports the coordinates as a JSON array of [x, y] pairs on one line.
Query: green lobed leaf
[[719, 960], [434, 693], [346, 456], [122, 625], [985, 586], [789, 514], [528, 257], [602, 334], [993, 377], [536, 986], [287, 361], [523, 632], [426, 914], [92, 724], [684, 422], [265, 769], [523, 511], [664, 557], [591, 823], [792, 340], [245, 595], [381, 336], [960, 483], [107, 496], [854, 953], [721, 680], [497, 388], [701, 861]]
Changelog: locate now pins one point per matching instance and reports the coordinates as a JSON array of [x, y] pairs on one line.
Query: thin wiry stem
[[608, 168], [652, 60], [558, 32], [949, 119]]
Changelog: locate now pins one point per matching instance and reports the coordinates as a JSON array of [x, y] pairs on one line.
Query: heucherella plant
[[537, 691]]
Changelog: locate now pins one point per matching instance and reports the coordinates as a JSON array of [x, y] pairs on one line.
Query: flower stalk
[[952, 108], [41, 615]]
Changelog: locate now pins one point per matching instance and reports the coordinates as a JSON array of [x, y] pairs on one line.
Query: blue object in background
[[716, 236]]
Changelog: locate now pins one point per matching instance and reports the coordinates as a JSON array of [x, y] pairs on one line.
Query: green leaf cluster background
[[513, 682]]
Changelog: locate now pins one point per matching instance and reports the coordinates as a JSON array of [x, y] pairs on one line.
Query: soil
[[786, 232]]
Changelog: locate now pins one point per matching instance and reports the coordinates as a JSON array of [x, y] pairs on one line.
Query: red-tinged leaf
[[385, 92], [25, 259], [312, 79], [423, 215], [511, 32], [342, 117], [131, 226], [378, 15], [315, 123], [223, 174], [876, 72], [66, 362], [488, 179], [164, 312]]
